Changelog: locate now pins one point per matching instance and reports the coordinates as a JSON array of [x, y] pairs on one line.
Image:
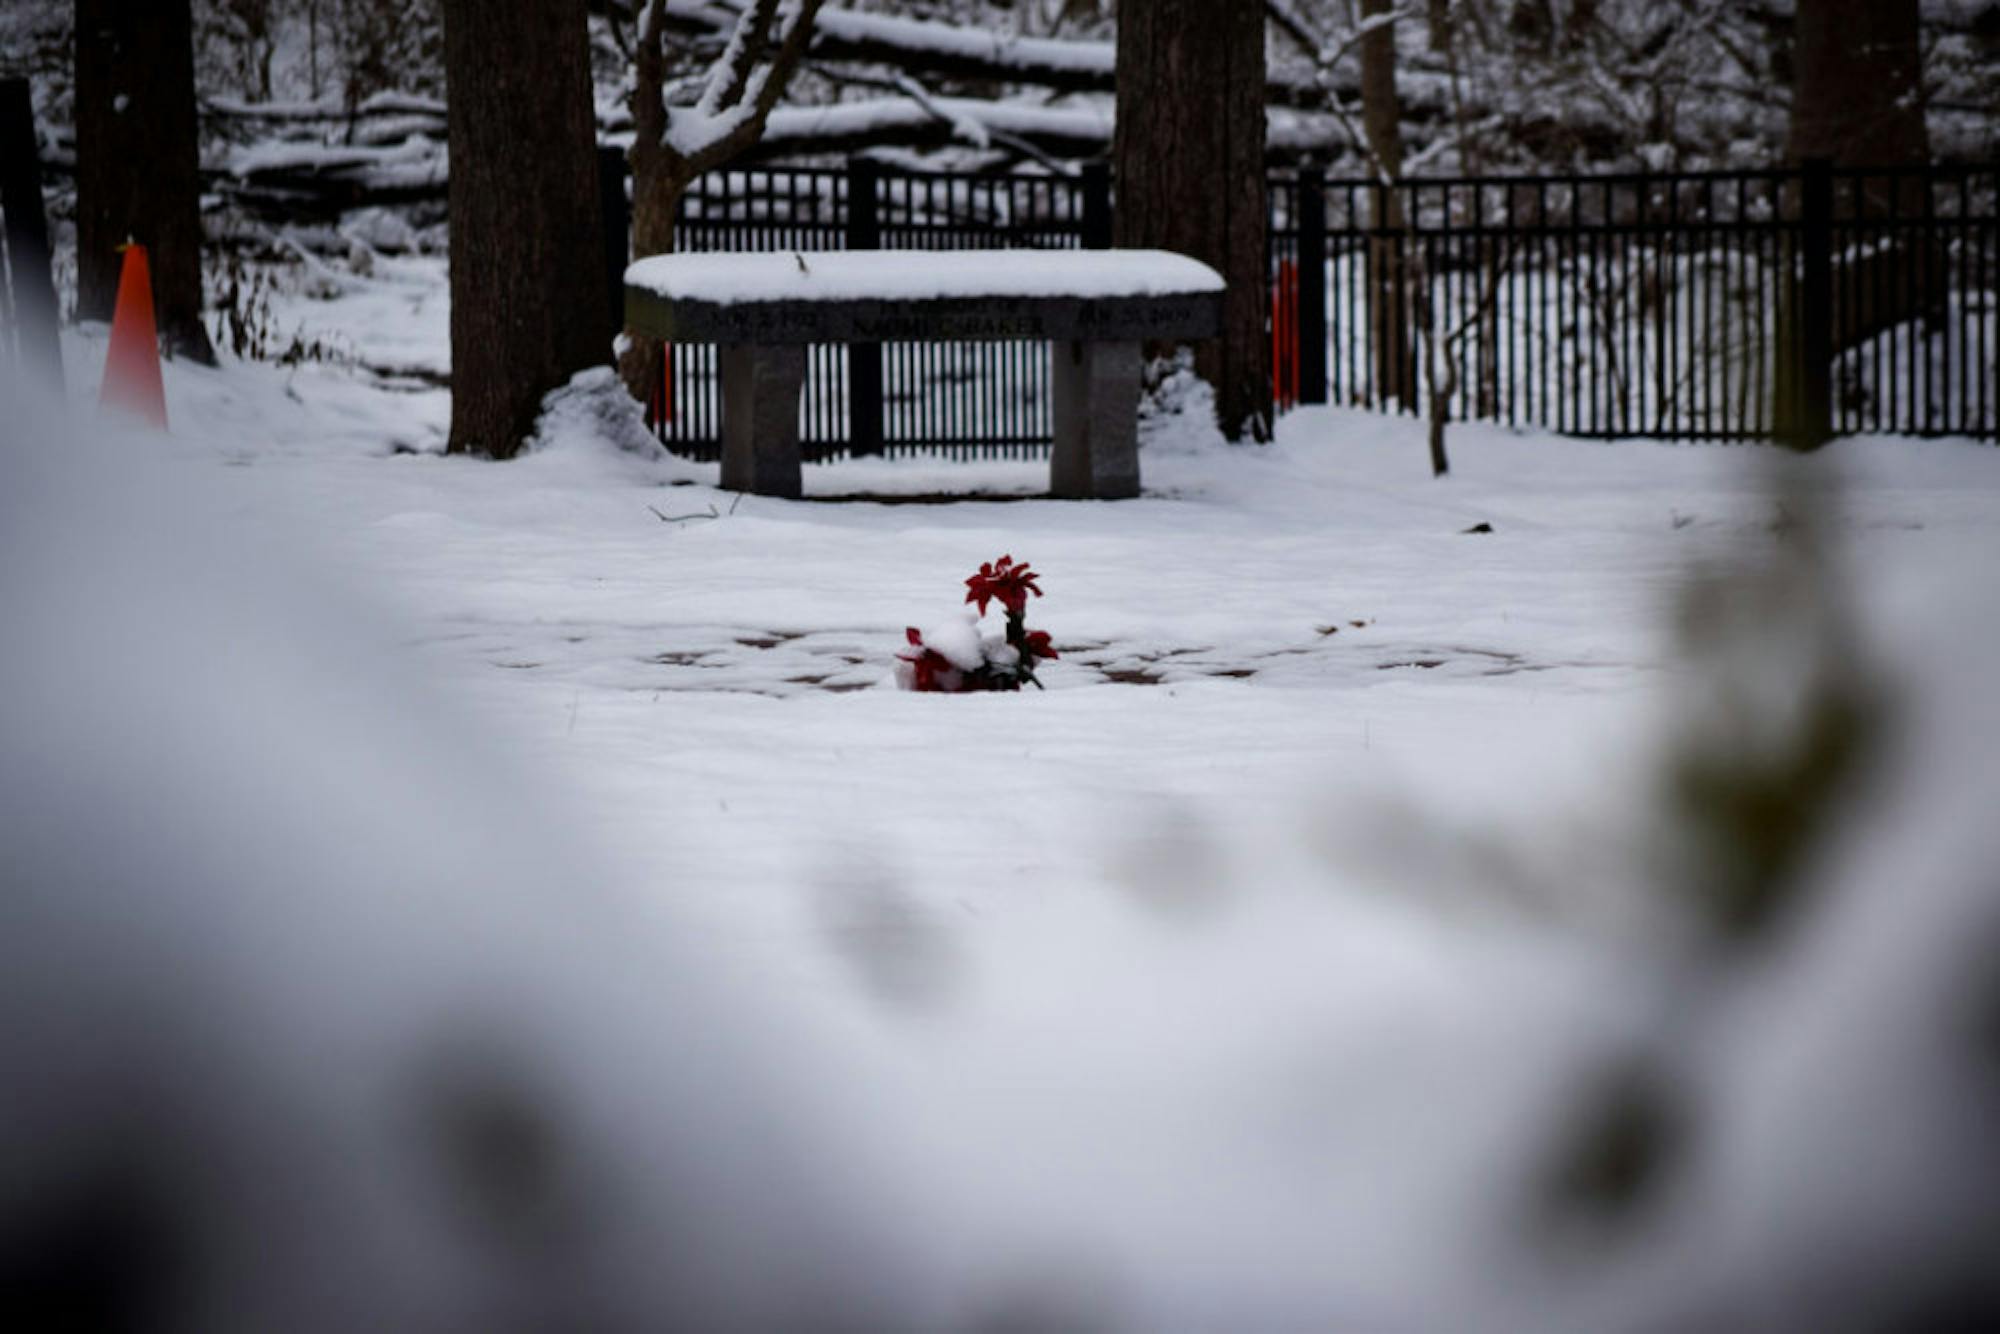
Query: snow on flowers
[[955, 658]]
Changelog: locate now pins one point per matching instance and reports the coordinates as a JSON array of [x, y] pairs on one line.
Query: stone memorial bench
[[1093, 307]]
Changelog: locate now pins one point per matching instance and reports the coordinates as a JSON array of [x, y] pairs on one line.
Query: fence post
[[864, 360], [38, 348], [1312, 285], [617, 233], [1815, 407], [1097, 206]]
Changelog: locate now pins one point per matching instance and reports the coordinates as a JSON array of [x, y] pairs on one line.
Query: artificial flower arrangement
[[956, 659]]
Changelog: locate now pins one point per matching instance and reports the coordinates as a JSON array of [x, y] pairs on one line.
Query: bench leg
[[1094, 391], [760, 418]]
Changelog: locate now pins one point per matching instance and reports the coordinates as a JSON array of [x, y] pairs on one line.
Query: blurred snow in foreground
[[316, 1021], [327, 1011]]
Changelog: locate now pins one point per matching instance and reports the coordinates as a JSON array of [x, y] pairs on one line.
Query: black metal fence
[[1713, 306], [972, 400]]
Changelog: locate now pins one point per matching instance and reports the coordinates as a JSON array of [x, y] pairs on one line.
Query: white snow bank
[[921, 275], [310, 989], [590, 413], [956, 639], [1280, 984]]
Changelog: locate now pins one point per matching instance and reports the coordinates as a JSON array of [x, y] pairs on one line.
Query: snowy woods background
[[1484, 85], [441, 894]]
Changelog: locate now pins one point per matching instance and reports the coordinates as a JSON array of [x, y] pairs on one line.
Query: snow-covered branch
[[739, 94]]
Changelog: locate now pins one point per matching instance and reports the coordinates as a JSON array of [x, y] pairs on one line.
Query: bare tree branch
[[730, 76], [649, 104], [614, 22], [1452, 345], [1293, 24], [766, 86]]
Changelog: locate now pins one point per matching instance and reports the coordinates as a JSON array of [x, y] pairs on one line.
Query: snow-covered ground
[[1261, 971]]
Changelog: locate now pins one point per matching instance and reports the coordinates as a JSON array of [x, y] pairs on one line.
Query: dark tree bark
[[138, 175], [1857, 92], [1857, 100], [527, 238], [1437, 14], [1389, 317], [1381, 112], [1189, 158]]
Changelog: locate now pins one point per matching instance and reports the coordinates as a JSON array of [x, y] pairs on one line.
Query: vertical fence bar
[[864, 360], [1901, 284], [1576, 324], [1982, 278], [1377, 313], [1435, 313], [1631, 333], [1815, 419], [1311, 205], [1884, 383], [1731, 371], [1923, 250], [1660, 267], [1538, 308], [1773, 261], [1956, 291], [1569, 323], [1097, 221], [1604, 249], [1674, 410]]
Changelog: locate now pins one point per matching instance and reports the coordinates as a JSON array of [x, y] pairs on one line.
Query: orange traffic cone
[[132, 369]]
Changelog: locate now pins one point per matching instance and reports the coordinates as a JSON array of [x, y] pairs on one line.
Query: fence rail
[[1694, 306]]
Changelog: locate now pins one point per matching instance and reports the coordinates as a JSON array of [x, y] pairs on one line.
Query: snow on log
[[923, 46], [846, 126], [415, 167], [1073, 132]]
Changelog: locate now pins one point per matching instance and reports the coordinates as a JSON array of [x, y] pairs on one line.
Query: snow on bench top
[[731, 278]]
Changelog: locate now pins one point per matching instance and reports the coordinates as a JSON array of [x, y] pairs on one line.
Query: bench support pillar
[[1094, 392], [760, 418]]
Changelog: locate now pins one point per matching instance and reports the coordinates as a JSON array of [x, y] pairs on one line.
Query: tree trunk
[[656, 199], [1381, 112], [1442, 388], [1857, 92], [1189, 158], [1389, 332], [137, 170], [1857, 100], [527, 243], [1438, 15]]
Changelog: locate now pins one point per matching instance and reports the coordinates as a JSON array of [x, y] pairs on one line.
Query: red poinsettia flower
[[1037, 645], [930, 670], [1004, 582]]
